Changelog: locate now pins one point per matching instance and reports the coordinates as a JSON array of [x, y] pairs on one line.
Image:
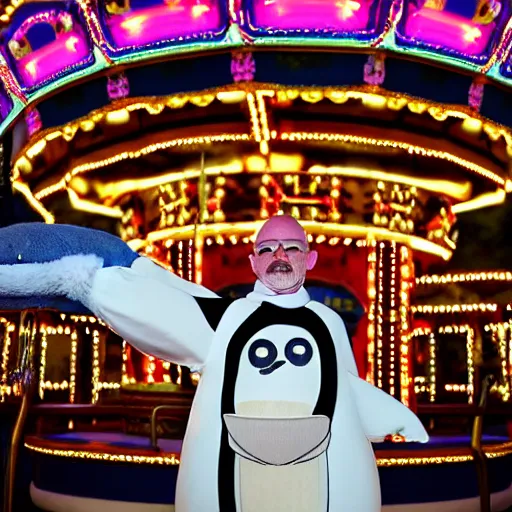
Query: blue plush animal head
[[38, 243], [41, 243]]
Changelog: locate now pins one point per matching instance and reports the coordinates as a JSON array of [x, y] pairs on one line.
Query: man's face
[[281, 265]]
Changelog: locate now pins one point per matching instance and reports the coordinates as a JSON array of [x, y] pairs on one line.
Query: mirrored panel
[[45, 41], [469, 28], [132, 24], [310, 18]]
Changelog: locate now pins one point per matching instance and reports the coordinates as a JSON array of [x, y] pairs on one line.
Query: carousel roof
[[143, 88], [48, 45]]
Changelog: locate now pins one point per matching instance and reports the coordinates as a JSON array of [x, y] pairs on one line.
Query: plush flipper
[[381, 414], [51, 265], [65, 277]]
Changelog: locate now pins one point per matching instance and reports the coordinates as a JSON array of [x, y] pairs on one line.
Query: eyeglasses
[[289, 246]]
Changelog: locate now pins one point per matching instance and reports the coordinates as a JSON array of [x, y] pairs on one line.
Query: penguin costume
[[280, 420]]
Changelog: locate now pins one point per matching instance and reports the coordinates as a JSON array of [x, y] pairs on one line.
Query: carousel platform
[[75, 472]]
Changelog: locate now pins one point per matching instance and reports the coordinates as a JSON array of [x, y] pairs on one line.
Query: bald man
[[280, 420], [281, 255]]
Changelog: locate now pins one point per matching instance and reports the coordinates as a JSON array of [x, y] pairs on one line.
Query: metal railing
[[154, 423], [477, 450]]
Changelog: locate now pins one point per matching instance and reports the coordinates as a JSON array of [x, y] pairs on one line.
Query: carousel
[[181, 125]]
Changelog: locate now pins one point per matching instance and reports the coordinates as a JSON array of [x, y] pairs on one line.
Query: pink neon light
[[67, 50], [341, 15], [449, 30], [172, 20]]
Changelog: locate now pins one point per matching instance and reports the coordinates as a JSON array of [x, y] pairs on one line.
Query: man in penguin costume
[[280, 420]]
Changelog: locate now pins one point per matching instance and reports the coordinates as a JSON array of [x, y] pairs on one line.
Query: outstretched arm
[[153, 315], [145, 267], [157, 312]]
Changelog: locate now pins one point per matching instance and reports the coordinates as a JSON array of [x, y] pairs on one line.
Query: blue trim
[[177, 76], [157, 484], [317, 68], [113, 439], [137, 483], [68, 439], [441, 442], [426, 81], [153, 79], [440, 482], [497, 105], [73, 103], [321, 69]]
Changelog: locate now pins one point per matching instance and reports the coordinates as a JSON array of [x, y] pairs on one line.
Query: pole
[[201, 217], [25, 378], [477, 450]]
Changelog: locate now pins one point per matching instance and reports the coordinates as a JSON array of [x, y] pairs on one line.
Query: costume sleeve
[[157, 312], [145, 267], [152, 309]]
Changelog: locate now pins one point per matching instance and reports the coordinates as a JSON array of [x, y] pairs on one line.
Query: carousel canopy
[[434, 49], [107, 101]]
